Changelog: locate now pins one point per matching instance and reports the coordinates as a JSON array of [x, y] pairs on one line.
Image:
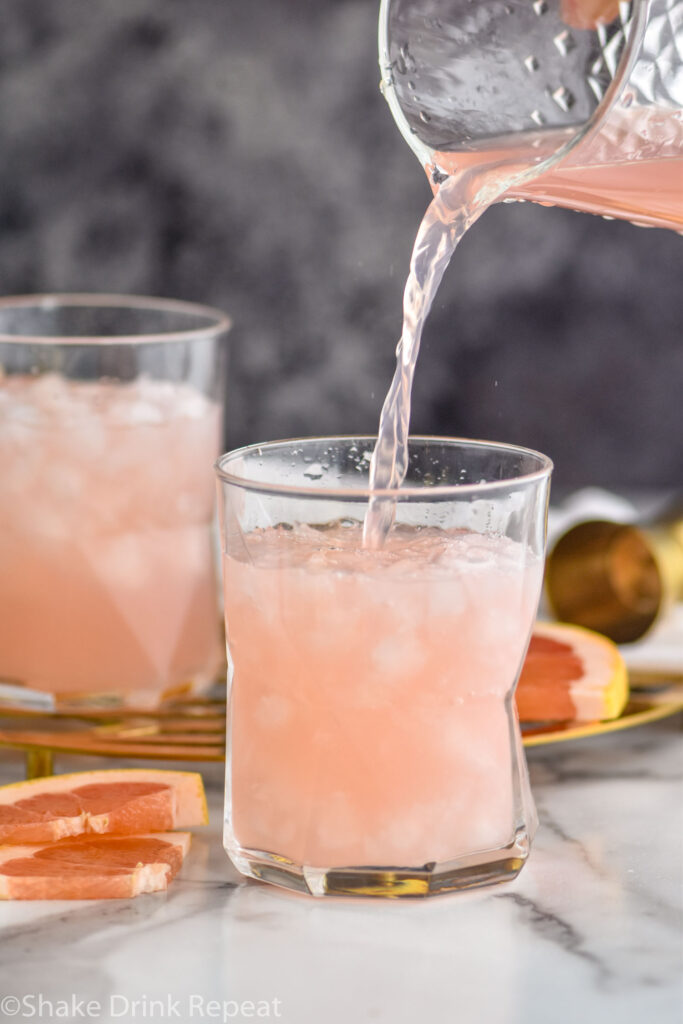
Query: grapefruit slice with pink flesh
[[571, 674], [92, 867], [112, 801]]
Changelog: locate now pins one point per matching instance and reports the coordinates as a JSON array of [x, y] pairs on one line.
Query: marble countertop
[[589, 932]]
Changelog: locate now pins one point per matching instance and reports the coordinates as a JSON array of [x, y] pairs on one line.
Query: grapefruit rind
[[99, 880]]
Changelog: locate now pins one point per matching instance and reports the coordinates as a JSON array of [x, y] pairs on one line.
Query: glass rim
[[220, 323], [428, 492]]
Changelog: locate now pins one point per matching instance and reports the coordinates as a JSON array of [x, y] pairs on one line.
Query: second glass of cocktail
[[373, 744], [110, 419]]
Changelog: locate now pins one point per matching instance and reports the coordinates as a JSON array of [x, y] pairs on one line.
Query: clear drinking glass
[[110, 419], [373, 743]]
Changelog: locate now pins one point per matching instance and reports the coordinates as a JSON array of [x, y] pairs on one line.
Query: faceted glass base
[[487, 867]]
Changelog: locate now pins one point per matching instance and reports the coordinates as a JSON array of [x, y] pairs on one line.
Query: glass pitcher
[[465, 78]]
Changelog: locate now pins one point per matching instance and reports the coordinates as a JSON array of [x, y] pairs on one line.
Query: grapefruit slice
[[571, 674], [92, 867], [117, 801]]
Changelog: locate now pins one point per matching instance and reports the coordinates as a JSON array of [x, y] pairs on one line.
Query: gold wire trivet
[[191, 729]]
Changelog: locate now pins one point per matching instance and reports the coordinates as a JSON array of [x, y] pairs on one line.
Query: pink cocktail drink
[[369, 718], [108, 590], [373, 745], [106, 505]]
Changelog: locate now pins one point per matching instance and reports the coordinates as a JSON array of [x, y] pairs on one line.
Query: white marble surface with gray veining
[[589, 932]]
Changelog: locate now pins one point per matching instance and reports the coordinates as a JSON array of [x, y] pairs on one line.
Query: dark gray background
[[240, 154]]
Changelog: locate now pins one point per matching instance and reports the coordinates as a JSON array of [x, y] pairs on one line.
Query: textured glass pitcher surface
[[598, 85]]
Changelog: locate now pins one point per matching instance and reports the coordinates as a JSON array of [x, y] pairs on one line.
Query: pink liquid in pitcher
[[369, 718], [107, 581], [647, 192], [630, 168]]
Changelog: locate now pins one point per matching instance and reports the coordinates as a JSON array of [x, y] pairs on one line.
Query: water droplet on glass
[[406, 56], [424, 116], [531, 63]]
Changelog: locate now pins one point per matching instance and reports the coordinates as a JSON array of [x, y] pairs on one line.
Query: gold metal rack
[[181, 730]]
